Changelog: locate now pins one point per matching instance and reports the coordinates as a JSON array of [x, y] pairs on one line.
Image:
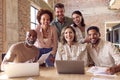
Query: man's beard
[[61, 18], [95, 42], [30, 43]]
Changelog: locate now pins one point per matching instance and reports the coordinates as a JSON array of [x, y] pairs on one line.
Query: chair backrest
[[1, 58], [3, 55]]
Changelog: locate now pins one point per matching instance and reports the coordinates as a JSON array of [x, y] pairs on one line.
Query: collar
[[41, 30], [56, 19]]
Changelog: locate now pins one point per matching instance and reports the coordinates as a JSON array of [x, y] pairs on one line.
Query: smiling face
[[94, 36], [31, 37], [59, 12], [69, 35], [77, 19], [45, 20]]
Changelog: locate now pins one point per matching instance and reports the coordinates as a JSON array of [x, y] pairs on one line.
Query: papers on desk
[[30, 78], [99, 78], [43, 58], [99, 71]]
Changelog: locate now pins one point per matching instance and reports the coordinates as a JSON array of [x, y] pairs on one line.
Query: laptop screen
[[70, 67], [22, 69]]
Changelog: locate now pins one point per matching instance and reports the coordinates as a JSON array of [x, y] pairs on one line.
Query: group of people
[[64, 38]]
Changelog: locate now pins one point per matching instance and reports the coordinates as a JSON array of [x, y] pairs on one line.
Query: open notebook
[[22, 69], [70, 67]]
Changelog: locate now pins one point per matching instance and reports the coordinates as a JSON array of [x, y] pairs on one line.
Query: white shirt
[[106, 54], [80, 35], [75, 52]]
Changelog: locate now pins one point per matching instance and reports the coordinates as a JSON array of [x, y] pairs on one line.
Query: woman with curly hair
[[47, 36]]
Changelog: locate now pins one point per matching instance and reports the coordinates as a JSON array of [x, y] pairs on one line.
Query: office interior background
[[18, 16]]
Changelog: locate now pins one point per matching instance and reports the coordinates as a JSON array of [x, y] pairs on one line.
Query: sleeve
[[9, 57], [58, 54], [79, 35], [81, 40], [84, 38], [55, 40], [36, 57], [83, 55], [114, 53], [90, 61]]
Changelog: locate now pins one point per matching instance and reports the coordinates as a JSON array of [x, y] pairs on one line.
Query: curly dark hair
[[44, 11]]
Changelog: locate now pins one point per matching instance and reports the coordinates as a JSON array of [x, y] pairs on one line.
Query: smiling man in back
[[60, 20], [22, 51]]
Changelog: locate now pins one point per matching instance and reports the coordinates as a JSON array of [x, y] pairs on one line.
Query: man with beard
[[103, 53], [60, 20], [22, 51]]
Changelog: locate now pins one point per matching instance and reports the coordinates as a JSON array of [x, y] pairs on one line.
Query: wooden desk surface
[[51, 74]]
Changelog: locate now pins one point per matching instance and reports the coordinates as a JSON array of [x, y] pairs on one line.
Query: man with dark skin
[[22, 51], [103, 53]]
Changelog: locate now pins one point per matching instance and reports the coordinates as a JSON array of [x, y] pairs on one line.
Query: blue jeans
[[44, 51]]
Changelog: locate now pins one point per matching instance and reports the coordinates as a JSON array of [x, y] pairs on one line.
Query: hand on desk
[[52, 58], [113, 69], [110, 70]]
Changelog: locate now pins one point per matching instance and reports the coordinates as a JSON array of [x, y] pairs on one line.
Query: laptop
[[22, 69], [70, 67]]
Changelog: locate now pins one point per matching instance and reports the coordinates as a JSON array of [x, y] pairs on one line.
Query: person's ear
[[99, 35]]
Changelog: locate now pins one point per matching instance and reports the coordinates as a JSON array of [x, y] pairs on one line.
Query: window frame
[[33, 23]]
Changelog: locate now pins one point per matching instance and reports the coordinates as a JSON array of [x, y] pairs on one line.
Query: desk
[[51, 74]]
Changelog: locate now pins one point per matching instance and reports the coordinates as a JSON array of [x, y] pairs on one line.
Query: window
[[33, 17]]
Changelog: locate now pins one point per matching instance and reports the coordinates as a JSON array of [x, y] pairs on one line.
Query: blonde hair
[[62, 39]]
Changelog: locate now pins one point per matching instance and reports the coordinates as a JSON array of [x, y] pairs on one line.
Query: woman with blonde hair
[[69, 48]]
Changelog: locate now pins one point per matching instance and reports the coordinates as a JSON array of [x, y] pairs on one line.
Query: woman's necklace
[[45, 33]]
